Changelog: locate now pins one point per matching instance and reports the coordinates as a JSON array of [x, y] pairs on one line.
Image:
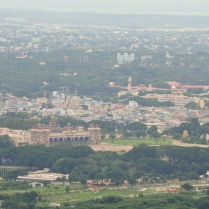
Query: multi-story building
[[125, 58], [52, 134]]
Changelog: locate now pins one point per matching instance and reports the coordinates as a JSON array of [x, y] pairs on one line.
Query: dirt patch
[[178, 143], [110, 147], [122, 148]]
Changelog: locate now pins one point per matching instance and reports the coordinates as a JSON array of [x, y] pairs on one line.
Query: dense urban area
[[110, 115]]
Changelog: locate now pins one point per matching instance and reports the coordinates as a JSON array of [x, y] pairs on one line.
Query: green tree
[[67, 189], [152, 129], [83, 180], [112, 136], [155, 135], [187, 187], [192, 106], [12, 175], [6, 142]]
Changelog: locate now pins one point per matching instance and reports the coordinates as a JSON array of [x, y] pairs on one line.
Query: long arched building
[[53, 134]]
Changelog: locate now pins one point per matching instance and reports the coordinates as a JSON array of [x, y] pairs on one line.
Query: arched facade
[[53, 134]]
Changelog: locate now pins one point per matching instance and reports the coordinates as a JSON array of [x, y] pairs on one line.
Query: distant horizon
[[164, 7], [98, 12]]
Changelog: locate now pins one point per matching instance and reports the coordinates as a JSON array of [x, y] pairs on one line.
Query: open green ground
[[77, 193], [58, 194], [135, 142]]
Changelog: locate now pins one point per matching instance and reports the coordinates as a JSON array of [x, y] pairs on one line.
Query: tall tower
[[129, 87], [53, 127], [129, 83], [94, 134]]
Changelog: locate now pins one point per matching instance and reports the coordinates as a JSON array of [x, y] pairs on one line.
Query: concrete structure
[[19, 137], [36, 184], [75, 102], [52, 134], [42, 177], [160, 126], [125, 58], [54, 205]]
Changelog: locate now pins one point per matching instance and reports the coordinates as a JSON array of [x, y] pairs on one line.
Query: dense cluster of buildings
[[151, 47], [159, 47], [88, 109]]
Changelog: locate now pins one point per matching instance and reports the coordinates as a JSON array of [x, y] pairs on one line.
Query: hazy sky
[[200, 7]]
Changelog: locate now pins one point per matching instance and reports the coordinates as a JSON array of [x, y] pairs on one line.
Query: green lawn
[[135, 142]]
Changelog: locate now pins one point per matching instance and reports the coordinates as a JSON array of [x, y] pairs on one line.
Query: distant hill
[[123, 20]]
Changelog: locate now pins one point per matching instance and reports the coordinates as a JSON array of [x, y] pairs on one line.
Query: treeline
[[150, 164], [106, 126], [22, 121], [17, 123], [196, 133], [25, 200], [158, 201], [17, 76], [150, 102], [33, 200], [184, 200]]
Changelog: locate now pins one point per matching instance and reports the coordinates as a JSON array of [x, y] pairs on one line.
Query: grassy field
[[77, 193], [135, 142], [58, 194]]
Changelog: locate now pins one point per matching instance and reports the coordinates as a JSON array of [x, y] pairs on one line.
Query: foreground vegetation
[[104, 198], [147, 202], [150, 164]]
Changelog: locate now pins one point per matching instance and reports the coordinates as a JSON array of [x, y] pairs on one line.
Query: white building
[[36, 184], [125, 58], [54, 205]]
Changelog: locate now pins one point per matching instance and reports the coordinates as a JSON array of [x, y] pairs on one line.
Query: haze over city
[[104, 104], [188, 7]]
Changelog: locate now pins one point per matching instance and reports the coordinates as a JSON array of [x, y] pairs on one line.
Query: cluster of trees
[[192, 106], [183, 201], [196, 132], [152, 164], [22, 121], [17, 121], [6, 185], [24, 71], [17, 76], [150, 102], [135, 129], [25, 200], [138, 129]]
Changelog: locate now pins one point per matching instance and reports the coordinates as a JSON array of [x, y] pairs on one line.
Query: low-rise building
[[42, 177]]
